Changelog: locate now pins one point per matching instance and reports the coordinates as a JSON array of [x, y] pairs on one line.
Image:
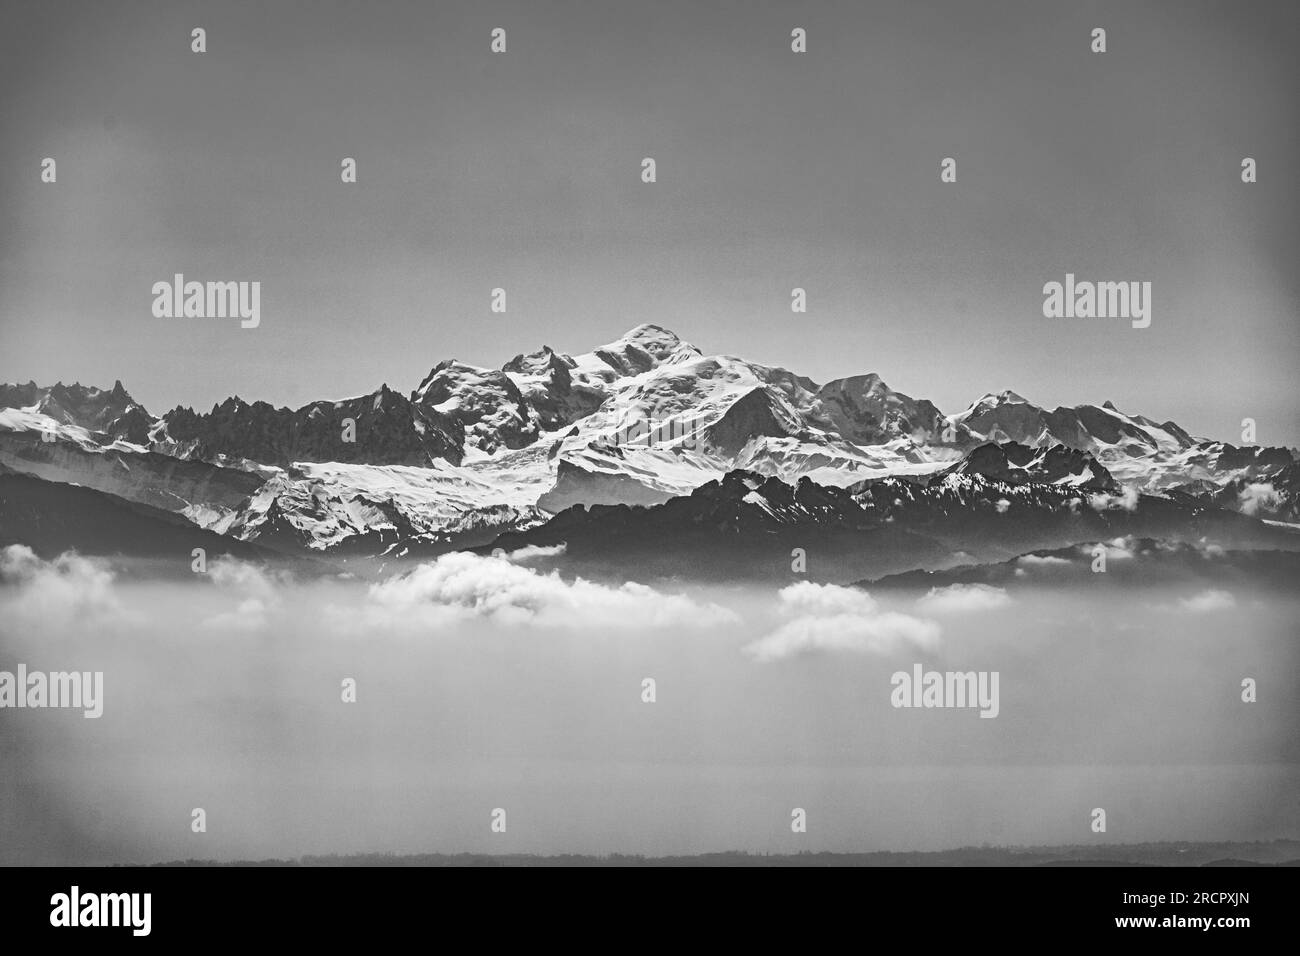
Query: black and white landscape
[[686, 431], [644, 457], [503, 556]]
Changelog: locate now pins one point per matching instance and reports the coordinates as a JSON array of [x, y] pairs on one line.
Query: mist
[[486, 683]]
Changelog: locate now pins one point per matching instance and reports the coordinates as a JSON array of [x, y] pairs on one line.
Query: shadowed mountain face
[[191, 487], [1014, 464], [51, 517], [864, 410], [383, 429], [643, 420], [576, 486]]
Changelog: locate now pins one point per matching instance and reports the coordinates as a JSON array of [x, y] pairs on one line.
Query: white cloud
[[233, 574], [253, 587], [1258, 495], [1209, 600], [829, 618], [1043, 561], [460, 586], [1127, 499], [961, 598], [1002, 505], [1123, 548], [532, 551], [825, 599], [70, 589]]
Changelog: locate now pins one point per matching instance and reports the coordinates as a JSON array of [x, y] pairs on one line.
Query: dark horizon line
[[1016, 854]]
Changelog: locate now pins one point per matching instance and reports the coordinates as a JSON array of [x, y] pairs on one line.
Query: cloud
[[1043, 561], [233, 574], [460, 587], [962, 598], [70, 589], [829, 618], [532, 551], [254, 587], [249, 615], [1126, 499], [1123, 548], [1258, 495], [1002, 505], [1209, 600], [1035, 563]]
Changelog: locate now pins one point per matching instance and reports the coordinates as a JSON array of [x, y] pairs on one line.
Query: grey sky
[[775, 170]]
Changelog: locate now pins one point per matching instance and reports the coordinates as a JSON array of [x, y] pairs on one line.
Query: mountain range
[[645, 439]]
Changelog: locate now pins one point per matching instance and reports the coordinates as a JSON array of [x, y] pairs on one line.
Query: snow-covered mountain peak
[[1004, 397], [639, 350], [864, 410], [484, 402], [540, 362]]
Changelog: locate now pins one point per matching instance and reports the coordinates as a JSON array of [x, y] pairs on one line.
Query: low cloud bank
[[461, 587], [827, 618]]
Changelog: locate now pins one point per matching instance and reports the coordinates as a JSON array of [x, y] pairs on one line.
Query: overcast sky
[[775, 170]]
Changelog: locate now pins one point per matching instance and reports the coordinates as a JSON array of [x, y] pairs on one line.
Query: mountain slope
[[748, 526], [51, 517]]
